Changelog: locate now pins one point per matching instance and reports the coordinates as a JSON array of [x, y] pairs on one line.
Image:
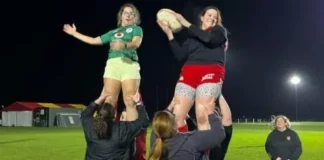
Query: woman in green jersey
[[122, 68]]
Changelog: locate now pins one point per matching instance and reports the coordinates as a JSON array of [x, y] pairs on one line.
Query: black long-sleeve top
[[285, 145], [219, 152], [123, 133], [193, 145], [202, 47]]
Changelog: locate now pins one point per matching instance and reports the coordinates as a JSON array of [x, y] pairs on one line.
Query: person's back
[[108, 140], [190, 145]]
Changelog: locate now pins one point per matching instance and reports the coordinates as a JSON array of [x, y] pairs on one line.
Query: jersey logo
[[208, 76], [288, 138], [129, 30], [119, 35]]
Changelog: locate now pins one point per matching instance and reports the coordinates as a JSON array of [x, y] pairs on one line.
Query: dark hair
[[104, 120], [219, 16]]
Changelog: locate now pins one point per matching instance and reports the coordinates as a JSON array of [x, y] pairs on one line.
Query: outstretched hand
[[117, 45], [67, 28], [137, 98], [221, 81], [165, 27], [206, 109], [172, 105], [101, 99], [181, 19]]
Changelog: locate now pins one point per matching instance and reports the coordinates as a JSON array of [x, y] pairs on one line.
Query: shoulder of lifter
[[292, 132], [137, 28]]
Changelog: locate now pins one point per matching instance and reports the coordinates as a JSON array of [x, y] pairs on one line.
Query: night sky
[[270, 41]]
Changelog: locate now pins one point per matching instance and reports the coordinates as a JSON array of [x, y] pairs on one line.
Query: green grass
[[62, 144]]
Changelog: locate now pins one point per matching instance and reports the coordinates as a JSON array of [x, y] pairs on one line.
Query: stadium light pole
[[295, 80]]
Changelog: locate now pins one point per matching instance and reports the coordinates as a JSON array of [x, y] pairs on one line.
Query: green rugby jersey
[[124, 34]]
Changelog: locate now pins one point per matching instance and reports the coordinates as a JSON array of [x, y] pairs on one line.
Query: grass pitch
[[65, 143]]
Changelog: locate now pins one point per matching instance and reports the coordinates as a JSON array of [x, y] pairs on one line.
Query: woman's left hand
[[182, 20], [117, 45]]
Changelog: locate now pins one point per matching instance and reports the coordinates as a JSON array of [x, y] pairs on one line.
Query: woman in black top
[[203, 54], [107, 139], [168, 144], [283, 143]]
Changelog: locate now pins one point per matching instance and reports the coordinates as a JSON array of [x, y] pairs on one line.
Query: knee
[[112, 99], [128, 100], [202, 117], [203, 109]]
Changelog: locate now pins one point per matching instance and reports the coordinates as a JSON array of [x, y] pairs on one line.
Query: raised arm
[[135, 127], [134, 44], [225, 112], [180, 52], [203, 140], [298, 148], [137, 38], [87, 116], [90, 110], [269, 148], [71, 30], [217, 35], [132, 129]]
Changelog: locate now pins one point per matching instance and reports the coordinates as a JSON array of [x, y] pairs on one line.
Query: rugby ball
[[165, 15]]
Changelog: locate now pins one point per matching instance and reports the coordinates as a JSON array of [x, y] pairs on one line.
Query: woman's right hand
[[166, 28], [69, 29], [137, 98]]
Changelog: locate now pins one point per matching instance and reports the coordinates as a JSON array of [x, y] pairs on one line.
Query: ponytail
[[104, 121], [159, 150], [100, 127]]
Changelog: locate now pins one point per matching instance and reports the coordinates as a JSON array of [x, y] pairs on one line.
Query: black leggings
[[218, 153]]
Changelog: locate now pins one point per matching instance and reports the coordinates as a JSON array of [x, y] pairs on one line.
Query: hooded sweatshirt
[[193, 145]]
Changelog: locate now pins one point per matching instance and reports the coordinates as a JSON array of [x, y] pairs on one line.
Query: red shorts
[[194, 75]]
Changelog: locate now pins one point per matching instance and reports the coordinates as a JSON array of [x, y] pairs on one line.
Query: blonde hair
[[137, 16], [164, 126], [275, 119]]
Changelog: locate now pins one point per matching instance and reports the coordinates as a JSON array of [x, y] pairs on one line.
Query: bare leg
[[184, 99], [205, 94], [112, 89], [130, 88]]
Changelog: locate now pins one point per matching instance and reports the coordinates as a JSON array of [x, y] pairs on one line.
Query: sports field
[[68, 144]]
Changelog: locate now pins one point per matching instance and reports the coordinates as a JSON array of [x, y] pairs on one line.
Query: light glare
[[295, 80]]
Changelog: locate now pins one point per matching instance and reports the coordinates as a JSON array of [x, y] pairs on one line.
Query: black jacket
[[285, 145], [193, 145], [123, 134]]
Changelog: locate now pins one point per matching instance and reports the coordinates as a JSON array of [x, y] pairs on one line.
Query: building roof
[[28, 106]]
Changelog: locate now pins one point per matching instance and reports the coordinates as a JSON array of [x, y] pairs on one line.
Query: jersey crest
[[119, 35], [288, 138], [129, 30]]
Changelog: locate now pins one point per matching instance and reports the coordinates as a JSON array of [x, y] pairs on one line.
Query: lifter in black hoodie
[[283, 143], [168, 144], [107, 139]]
